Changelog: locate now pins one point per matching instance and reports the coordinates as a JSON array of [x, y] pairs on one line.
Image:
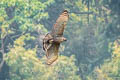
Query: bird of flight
[[52, 40]]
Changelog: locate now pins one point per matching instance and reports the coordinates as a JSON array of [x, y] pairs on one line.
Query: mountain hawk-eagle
[[52, 40]]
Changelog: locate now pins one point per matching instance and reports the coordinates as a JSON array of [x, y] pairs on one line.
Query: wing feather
[[53, 53], [60, 24]]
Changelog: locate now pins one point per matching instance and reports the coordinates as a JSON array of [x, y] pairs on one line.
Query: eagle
[[52, 40]]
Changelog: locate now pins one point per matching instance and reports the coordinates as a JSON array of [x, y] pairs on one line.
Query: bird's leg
[[49, 46], [47, 43], [50, 41]]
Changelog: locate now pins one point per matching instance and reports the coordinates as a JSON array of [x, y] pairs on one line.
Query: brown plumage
[[52, 40]]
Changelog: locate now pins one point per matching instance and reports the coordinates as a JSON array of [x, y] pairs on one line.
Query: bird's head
[[65, 11]]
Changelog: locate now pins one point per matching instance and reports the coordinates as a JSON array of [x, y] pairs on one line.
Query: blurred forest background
[[92, 50]]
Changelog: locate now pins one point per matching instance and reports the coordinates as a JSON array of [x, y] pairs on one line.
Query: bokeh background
[[92, 50]]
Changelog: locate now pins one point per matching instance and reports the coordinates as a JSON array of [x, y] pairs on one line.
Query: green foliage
[[110, 69], [92, 49], [19, 17], [24, 64], [26, 13]]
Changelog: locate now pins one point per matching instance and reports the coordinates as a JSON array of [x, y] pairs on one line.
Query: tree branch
[[82, 12], [2, 52]]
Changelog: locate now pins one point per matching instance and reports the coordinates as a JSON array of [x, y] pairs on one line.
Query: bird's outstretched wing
[[60, 24], [52, 40]]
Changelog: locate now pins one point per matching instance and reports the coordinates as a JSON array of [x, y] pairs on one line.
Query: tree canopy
[[92, 49]]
